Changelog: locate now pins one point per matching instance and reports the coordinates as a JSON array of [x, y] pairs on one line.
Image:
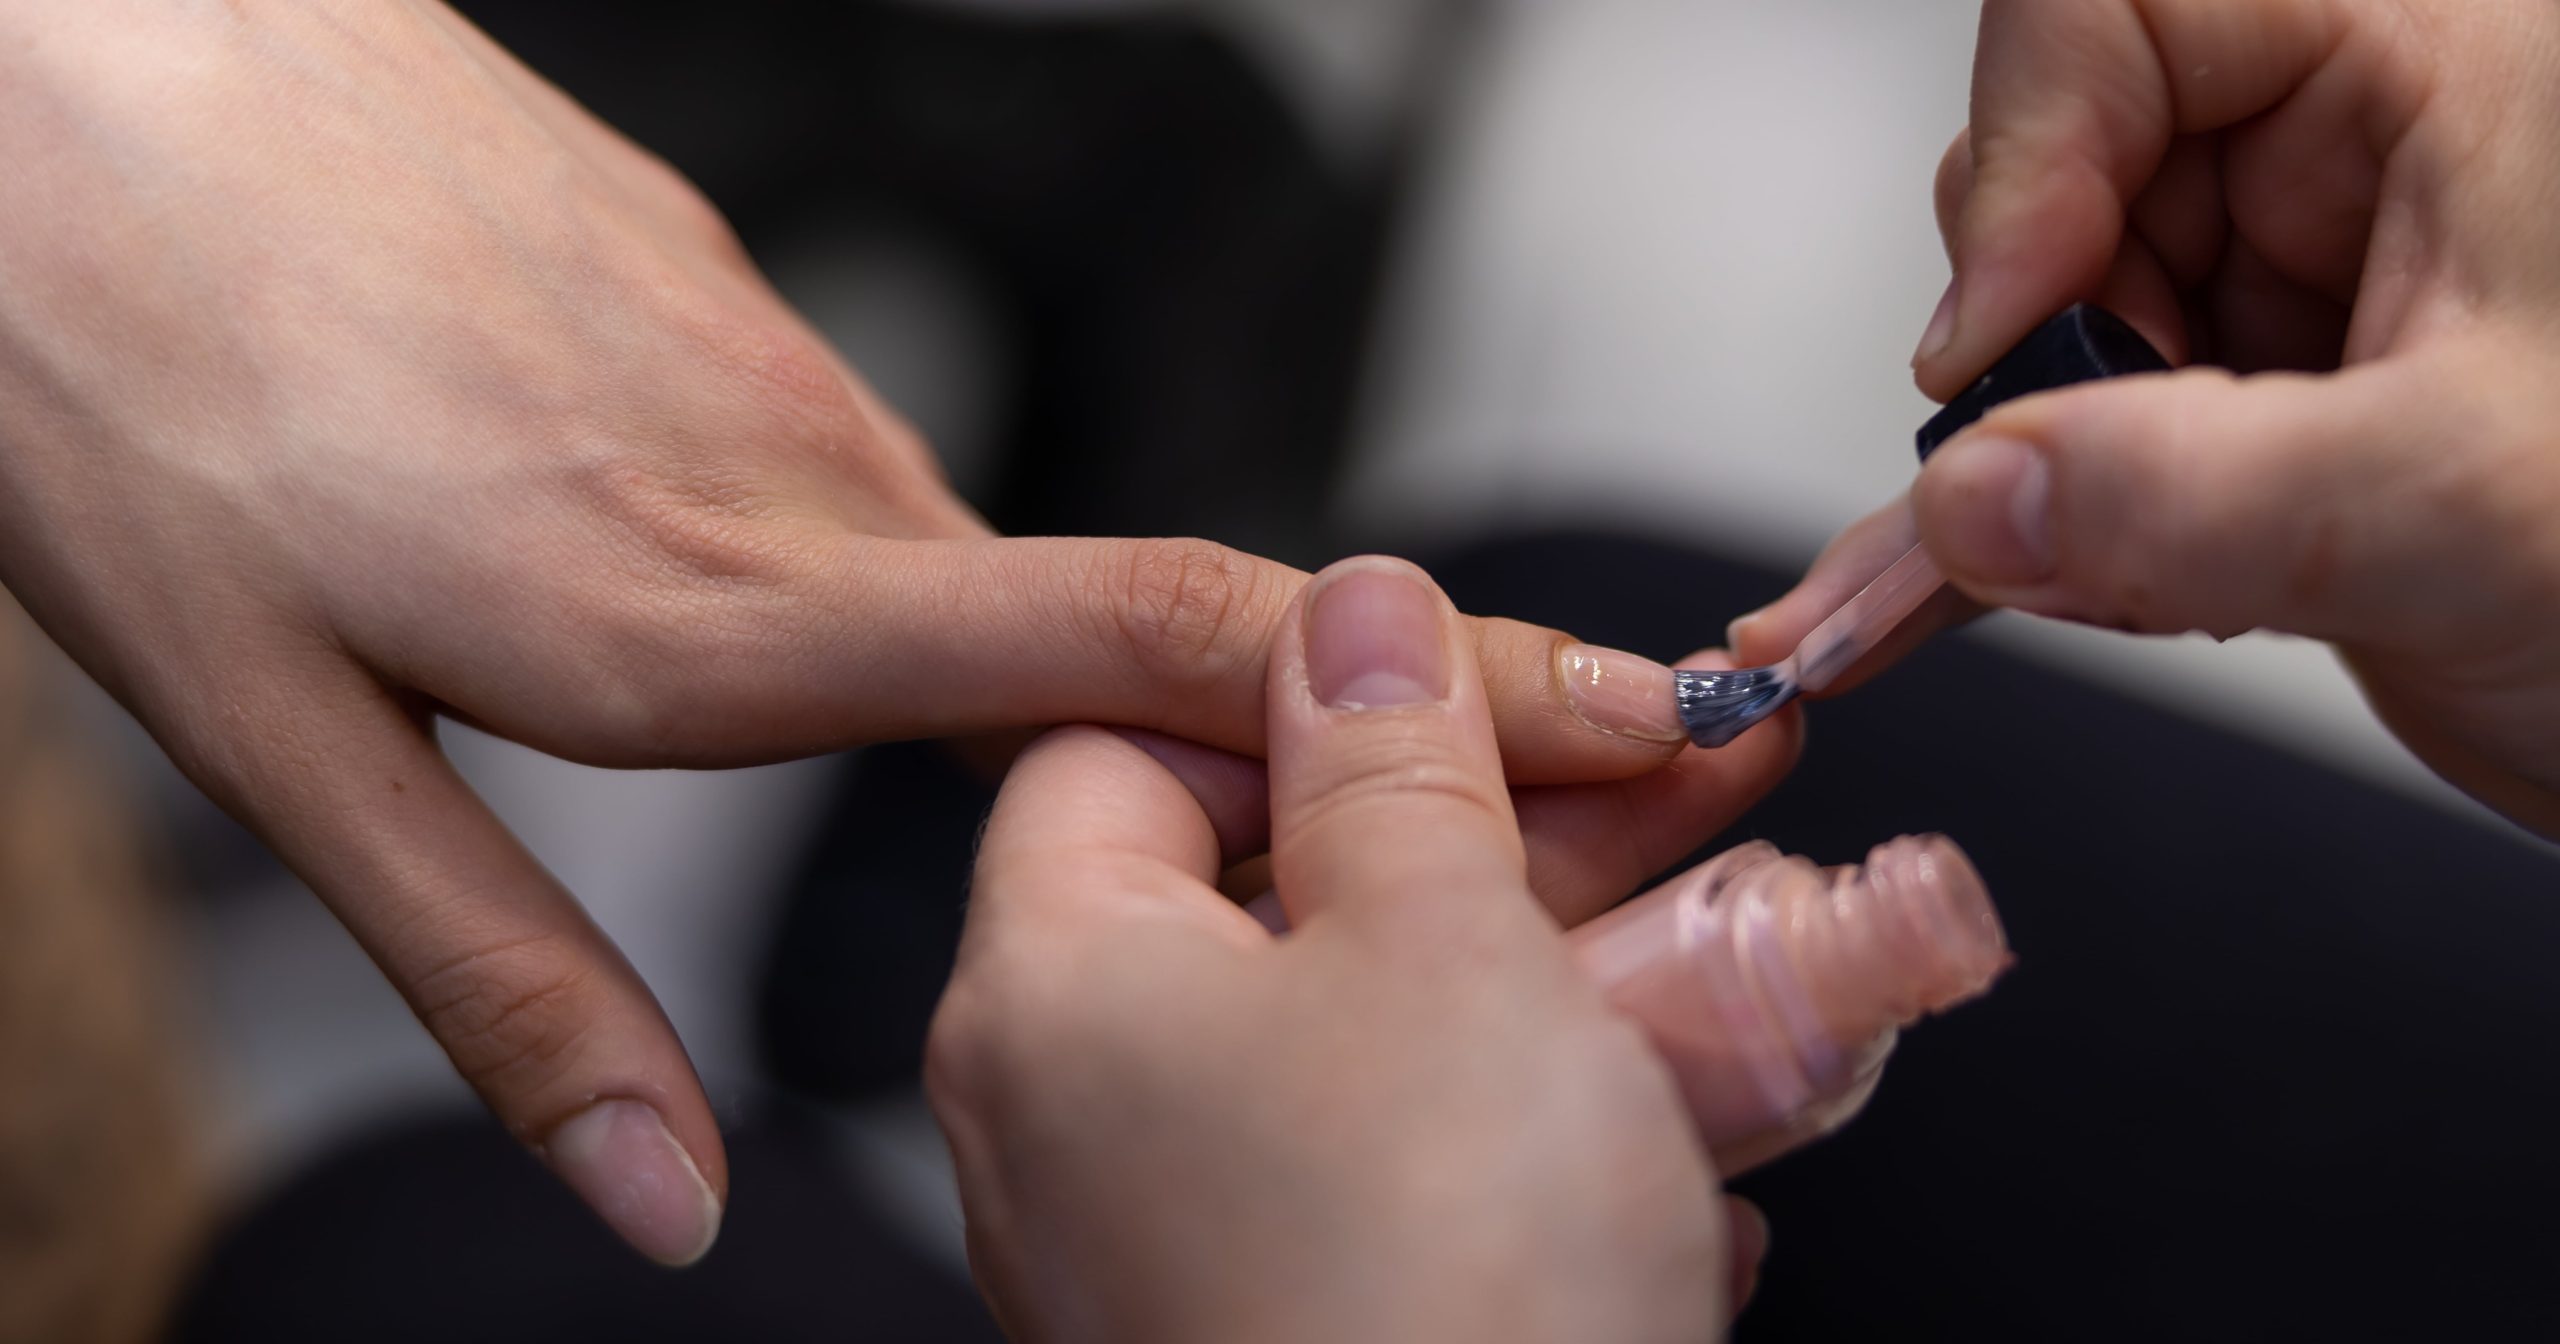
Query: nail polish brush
[[2084, 344]]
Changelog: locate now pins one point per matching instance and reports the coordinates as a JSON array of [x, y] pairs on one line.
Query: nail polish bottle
[[1773, 987]]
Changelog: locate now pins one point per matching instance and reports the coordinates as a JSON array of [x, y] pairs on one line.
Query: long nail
[[1620, 693], [619, 1157], [1374, 638]]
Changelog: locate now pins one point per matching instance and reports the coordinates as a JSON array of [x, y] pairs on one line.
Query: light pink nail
[[620, 1159], [1620, 693], [1942, 326], [1374, 638]]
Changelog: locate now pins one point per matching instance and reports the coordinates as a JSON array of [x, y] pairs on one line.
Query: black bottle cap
[[2083, 345]]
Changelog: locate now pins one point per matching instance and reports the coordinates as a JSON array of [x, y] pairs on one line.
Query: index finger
[[2075, 107], [1173, 636]]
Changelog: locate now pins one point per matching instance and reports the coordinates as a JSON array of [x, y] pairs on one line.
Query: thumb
[[2349, 507], [1386, 790]]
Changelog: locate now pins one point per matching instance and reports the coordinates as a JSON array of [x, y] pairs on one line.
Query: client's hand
[[1412, 1118], [351, 376]]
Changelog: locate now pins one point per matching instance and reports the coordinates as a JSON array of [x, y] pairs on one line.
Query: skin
[[1414, 1117], [2345, 207], [351, 377]]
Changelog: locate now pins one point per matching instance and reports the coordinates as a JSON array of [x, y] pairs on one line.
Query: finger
[[1854, 559], [1093, 827], [2075, 108], [2264, 321], [1172, 636], [1590, 845], [1587, 845], [1386, 788], [1954, 186], [2353, 507], [1233, 792], [1747, 1244], [533, 1004]]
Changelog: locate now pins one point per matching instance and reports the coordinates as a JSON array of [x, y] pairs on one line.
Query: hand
[[2347, 204], [1412, 1118], [351, 377]]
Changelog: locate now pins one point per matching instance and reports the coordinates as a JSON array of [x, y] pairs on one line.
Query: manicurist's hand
[[350, 376], [2348, 205], [1411, 1118]]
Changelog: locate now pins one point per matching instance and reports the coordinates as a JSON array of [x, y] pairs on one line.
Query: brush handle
[[2083, 345], [1863, 621]]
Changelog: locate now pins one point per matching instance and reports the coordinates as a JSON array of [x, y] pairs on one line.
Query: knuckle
[[1396, 773], [792, 385], [1009, 1012], [1176, 607], [510, 1016], [679, 678], [696, 519]]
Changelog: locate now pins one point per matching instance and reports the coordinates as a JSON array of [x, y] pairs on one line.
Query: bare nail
[[619, 1157], [1374, 639], [1942, 326]]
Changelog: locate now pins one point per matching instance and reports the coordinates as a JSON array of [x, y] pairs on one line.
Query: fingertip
[[621, 1158], [1748, 1246], [1233, 791], [1984, 507]]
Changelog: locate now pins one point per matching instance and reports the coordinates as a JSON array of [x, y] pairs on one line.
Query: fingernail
[[1733, 632], [1942, 327], [1750, 1250], [1620, 693], [1999, 494], [1269, 913], [620, 1159], [1374, 639]]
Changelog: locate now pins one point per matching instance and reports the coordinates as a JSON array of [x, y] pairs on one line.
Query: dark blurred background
[[1599, 310]]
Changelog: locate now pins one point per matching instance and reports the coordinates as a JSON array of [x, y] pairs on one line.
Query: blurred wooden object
[[102, 1194]]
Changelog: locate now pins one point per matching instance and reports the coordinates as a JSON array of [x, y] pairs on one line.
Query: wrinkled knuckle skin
[[510, 1017], [681, 517], [1392, 774], [1176, 604]]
